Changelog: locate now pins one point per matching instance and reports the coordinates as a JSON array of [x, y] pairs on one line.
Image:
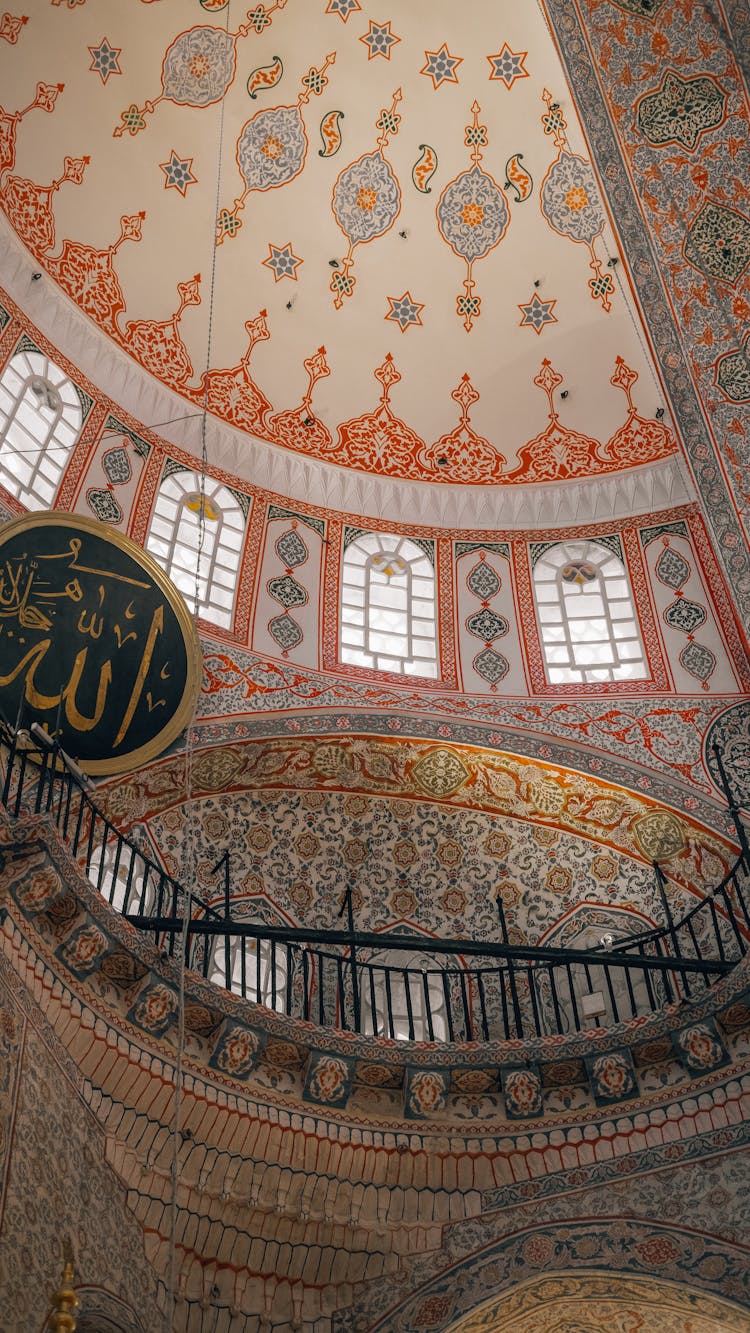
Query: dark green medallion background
[[96, 643]]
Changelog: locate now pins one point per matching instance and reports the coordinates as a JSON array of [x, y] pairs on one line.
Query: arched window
[[403, 997], [40, 421], [388, 605], [585, 608], [255, 969], [174, 536]]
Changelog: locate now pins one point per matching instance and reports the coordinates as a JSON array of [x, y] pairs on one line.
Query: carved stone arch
[[102, 1312], [695, 1261]]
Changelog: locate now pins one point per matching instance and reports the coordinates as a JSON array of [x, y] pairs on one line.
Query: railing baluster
[[428, 1006], [514, 997], [532, 992], [612, 997], [389, 1003], [501, 971], [482, 1006], [373, 1001], [321, 988], [465, 1005], [448, 1005], [572, 990], [409, 1010], [631, 994], [306, 985], [555, 1002]]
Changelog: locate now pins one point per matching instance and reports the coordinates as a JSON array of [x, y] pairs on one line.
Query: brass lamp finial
[[64, 1302]]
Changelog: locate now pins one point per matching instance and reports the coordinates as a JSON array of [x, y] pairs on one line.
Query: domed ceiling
[[369, 236]]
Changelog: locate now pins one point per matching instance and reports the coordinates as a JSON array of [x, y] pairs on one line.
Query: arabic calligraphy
[[95, 642]]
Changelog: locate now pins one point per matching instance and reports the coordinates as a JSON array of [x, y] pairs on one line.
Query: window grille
[[588, 626], [384, 1003], [388, 616], [40, 421], [174, 536], [257, 970]]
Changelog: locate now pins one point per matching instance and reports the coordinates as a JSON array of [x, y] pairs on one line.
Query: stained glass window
[[211, 562], [388, 615], [40, 421], [588, 625]]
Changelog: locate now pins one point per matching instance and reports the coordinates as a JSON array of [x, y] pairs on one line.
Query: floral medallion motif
[[491, 665], [285, 631], [487, 625], [103, 505], [472, 215], [700, 1047], [272, 148], [733, 373], [116, 466], [659, 835], [643, 9], [730, 733], [366, 200], [522, 1089], [483, 581], [440, 772], [672, 568], [84, 950], [238, 1050], [287, 591], [698, 661], [685, 615], [199, 66], [329, 1079], [570, 200], [718, 243], [155, 1009], [681, 110], [612, 1077], [291, 549], [426, 1091]]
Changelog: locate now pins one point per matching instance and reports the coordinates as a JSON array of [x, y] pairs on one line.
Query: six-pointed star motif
[[342, 7], [178, 173], [282, 262], [508, 65], [441, 66], [404, 311], [379, 40], [537, 313], [105, 59]]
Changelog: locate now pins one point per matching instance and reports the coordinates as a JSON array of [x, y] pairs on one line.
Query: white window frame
[[259, 975], [40, 421], [589, 630], [173, 538], [414, 964], [388, 607]]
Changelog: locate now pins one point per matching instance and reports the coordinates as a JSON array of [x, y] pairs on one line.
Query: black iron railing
[[394, 985]]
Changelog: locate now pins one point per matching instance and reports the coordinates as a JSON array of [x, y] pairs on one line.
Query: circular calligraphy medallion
[[96, 643]]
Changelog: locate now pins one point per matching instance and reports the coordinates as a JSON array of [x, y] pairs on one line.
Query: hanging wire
[[190, 843]]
